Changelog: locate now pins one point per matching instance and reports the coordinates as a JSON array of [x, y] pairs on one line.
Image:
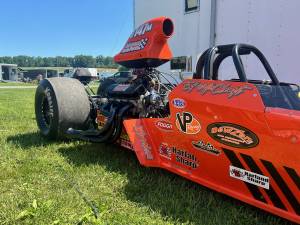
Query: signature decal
[[179, 103], [215, 88], [206, 147], [249, 177], [141, 134], [187, 123], [233, 135], [164, 125]]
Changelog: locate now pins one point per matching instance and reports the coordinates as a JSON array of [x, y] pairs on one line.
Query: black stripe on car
[[293, 174], [271, 192], [251, 187], [283, 186]]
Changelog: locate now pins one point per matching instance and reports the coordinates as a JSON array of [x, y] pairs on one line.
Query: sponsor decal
[[185, 158], [233, 135], [165, 151], [179, 103], [124, 140], [181, 156], [187, 124], [121, 87], [135, 46], [141, 30], [101, 119], [206, 147], [164, 125], [220, 88], [141, 134], [126, 144], [249, 177]]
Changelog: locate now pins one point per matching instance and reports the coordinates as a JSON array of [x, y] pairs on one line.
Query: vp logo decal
[[186, 123]]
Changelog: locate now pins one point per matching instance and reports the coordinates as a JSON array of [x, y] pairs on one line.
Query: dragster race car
[[239, 137]]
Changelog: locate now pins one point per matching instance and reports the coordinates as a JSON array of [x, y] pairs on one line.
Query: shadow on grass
[[28, 140], [173, 196]]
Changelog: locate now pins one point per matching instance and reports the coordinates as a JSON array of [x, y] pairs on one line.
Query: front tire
[[61, 103]]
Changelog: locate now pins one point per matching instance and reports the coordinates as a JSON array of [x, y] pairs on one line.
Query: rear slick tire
[[60, 104]]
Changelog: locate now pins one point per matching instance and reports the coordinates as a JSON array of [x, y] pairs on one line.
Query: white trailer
[[270, 25]]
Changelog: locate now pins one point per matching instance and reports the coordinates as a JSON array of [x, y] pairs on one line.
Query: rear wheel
[[61, 103]]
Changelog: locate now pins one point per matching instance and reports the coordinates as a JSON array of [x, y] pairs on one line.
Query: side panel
[[218, 135]]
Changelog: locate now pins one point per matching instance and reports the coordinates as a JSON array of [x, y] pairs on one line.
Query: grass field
[[44, 182], [15, 84]]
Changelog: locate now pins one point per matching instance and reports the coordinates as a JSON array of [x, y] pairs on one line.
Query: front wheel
[[61, 103]]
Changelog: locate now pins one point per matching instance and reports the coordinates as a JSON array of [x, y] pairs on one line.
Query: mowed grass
[[13, 84], [44, 182]]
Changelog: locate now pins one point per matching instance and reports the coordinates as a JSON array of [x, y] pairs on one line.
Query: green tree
[[84, 61]]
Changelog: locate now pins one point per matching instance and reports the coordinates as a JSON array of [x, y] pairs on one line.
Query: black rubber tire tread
[[70, 106]]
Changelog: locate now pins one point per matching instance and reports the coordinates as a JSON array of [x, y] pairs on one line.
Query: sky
[[64, 27]]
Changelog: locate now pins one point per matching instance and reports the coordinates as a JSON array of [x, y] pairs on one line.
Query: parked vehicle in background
[[85, 75], [71, 72]]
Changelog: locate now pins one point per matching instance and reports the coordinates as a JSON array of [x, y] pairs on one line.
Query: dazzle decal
[[249, 177], [186, 123], [141, 136], [206, 147], [232, 135], [215, 88]]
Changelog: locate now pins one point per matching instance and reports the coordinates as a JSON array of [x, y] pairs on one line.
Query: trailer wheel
[[61, 103]]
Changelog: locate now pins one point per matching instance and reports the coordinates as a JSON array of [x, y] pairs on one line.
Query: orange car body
[[226, 140], [219, 134]]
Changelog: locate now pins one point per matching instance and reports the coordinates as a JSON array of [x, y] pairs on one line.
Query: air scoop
[[147, 46]]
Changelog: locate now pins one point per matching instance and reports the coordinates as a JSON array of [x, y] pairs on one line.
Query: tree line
[[61, 61]]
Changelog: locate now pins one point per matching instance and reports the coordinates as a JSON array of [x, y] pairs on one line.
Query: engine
[[143, 94], [143, 90]]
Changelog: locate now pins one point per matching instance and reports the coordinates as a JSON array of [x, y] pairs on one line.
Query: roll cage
[[274, 93]]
